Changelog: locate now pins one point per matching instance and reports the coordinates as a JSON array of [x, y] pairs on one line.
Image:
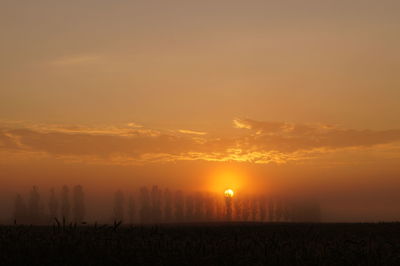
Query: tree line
[[156, 205], [69, 206]]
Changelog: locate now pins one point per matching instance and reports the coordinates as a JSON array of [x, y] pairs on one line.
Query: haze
[[293, 97]]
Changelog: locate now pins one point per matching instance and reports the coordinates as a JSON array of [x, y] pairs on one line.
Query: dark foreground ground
[[207, 244]]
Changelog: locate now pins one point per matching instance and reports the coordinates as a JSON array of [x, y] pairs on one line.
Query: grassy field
[[203, 244]]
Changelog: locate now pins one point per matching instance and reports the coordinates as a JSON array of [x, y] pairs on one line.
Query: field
[[202, 244]]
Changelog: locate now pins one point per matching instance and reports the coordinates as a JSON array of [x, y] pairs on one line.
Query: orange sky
[[256, 95]]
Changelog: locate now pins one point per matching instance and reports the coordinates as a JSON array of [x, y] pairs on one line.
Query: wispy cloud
[[191, 132], [289, 137], [134, 125], [265, 142], [237, 123]]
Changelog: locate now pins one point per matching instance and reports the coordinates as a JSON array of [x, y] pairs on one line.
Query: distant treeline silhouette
[[155, 205], [61, 208]]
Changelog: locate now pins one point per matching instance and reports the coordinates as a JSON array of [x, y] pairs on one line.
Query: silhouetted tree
[[219, 209], [167, 205], [263, 208], [237, 205], [156, 204], [119, 206], [145, 211], [198, 207], [246, 209], [189, 217], [254, 208], [228, 208], [279, 209], [79, 204], [34, 210], [287, 210], [179, 206], [53, 205], [210, 207], [65, 206], [271, 210], [132, 208]]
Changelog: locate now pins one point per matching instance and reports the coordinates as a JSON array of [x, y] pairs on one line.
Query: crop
[[202, 244]]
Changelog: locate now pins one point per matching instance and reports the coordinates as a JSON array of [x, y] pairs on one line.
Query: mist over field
[[340, 196]]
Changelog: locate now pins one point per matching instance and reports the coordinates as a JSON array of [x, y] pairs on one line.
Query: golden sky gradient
[[255, 95]]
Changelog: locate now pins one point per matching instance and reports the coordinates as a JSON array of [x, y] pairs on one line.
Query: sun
[[229, 193]]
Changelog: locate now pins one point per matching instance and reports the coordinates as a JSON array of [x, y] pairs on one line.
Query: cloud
[[287, 137], [8, 141], [262, 143], [256, 125], [191, 132], [134, 125], [239, 124]]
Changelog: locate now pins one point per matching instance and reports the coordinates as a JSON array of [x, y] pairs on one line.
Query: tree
[[228, 208], [167, 206], [189, 217], [65, 206], [263, 208], [53, 205], [279, 209], [237, 205], [271, 210], [34, 210], [246, 209], [210, 207], [119, 206], [179, 206], [79, 204], [131, 208], [198, 207], [219, 209], [288, 210], [145, 211], [254, 208], [156, 204]]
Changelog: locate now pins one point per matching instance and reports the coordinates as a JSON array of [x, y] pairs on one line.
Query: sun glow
[[222, 179], [229, 193]]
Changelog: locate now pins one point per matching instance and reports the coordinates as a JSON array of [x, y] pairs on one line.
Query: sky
[[279, 95]]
